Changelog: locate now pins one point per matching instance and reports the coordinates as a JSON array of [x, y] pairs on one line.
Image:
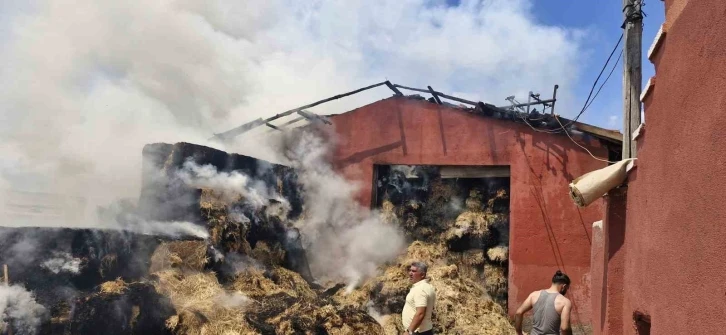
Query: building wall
[[674, 228], [547, 230]]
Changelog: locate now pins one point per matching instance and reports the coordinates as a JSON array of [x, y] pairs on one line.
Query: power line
[[578, 144], [584, 107], [606, 79]]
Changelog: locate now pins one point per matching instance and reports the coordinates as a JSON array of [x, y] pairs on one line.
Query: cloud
[[84, 87]]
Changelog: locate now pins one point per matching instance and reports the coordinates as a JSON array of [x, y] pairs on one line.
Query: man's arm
[[420, 301], [565, 319], [526, 306], [417, 319]]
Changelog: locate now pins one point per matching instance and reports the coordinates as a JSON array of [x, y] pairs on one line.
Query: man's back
[[546, 310], [551, 309]]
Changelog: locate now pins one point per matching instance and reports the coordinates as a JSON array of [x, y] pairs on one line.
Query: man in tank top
[[551, 310]]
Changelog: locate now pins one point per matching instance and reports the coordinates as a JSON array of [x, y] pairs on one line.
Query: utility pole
[[7, 283], [632, 73]]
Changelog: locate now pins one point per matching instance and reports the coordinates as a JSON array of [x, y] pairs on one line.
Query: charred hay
[[121, 308]]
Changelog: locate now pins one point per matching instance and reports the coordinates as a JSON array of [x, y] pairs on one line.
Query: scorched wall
[[547, 230], [669, 256]]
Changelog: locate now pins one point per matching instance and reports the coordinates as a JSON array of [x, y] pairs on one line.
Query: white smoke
[[19, 310], [62, 262], [345, 241], [231, 185], [84, 87], [169, 229], [232, 300]]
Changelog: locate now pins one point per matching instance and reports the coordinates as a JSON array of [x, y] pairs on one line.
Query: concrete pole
[[632, 73]]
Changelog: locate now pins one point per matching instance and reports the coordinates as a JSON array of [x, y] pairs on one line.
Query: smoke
[[84, 87], [345, 241], [19, 310], [62, 262], [232, 300], [231, 185]]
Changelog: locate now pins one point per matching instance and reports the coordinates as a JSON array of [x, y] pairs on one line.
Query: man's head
[[561, 281], [417, 271]]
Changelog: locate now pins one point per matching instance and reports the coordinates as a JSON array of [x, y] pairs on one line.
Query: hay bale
[[462, 303], [392, 324], [108, 265], [471, 231], [496, 281], [257, 284], [269, 254], [196, 297], [186, 255], [117, 286], [498, 254], [474, 258], [121, 308]]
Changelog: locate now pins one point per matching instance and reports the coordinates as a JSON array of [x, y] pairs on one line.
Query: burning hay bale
[[257, 283], [462, 303], [197, 300], [496, 282], [269, 254], [288, 305], [121, 308], [499, 254], [117, 286], [187, 255]]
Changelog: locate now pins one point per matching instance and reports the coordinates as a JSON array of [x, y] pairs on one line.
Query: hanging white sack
[[595, 184]]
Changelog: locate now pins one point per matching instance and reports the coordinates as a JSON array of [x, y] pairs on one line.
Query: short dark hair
[[560, 278]]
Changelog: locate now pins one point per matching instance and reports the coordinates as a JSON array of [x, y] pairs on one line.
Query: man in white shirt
[[420, 301]]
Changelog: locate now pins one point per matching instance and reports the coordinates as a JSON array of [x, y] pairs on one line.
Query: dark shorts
[[428, 332]]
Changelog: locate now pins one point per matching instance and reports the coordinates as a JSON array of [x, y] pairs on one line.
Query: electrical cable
[[606, 80], [578, 144], [598, 78]]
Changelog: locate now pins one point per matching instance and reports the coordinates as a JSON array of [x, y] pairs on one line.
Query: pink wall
[[547, 230], [672, 253]]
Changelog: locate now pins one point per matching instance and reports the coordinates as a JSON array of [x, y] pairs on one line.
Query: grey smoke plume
[[344, 240], [84, 87], [19, 310], [62, 262], [231, 185], [232, 300]]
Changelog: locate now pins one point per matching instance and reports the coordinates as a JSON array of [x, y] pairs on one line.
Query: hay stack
[[499, 254], [196, 298], [462, 304], [117, 286], [119, 308], [269, 254], [496, 282], [226, 230], [257, 284], [185, 255]]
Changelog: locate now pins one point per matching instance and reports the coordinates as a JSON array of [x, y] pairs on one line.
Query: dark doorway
[[642, 323], [429, 200]]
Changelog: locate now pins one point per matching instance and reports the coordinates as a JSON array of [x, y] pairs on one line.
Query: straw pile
[[113, 287], [462, 304], [197, 300], [185, 255], [120, 308], [226, 231]]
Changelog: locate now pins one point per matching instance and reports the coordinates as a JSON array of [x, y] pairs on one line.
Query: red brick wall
[[674, 233], [547, 230]]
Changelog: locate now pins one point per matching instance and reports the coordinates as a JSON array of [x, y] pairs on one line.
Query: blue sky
[[602, 20]]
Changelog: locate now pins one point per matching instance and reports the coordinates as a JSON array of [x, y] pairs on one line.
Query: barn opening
[[465, 207]]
